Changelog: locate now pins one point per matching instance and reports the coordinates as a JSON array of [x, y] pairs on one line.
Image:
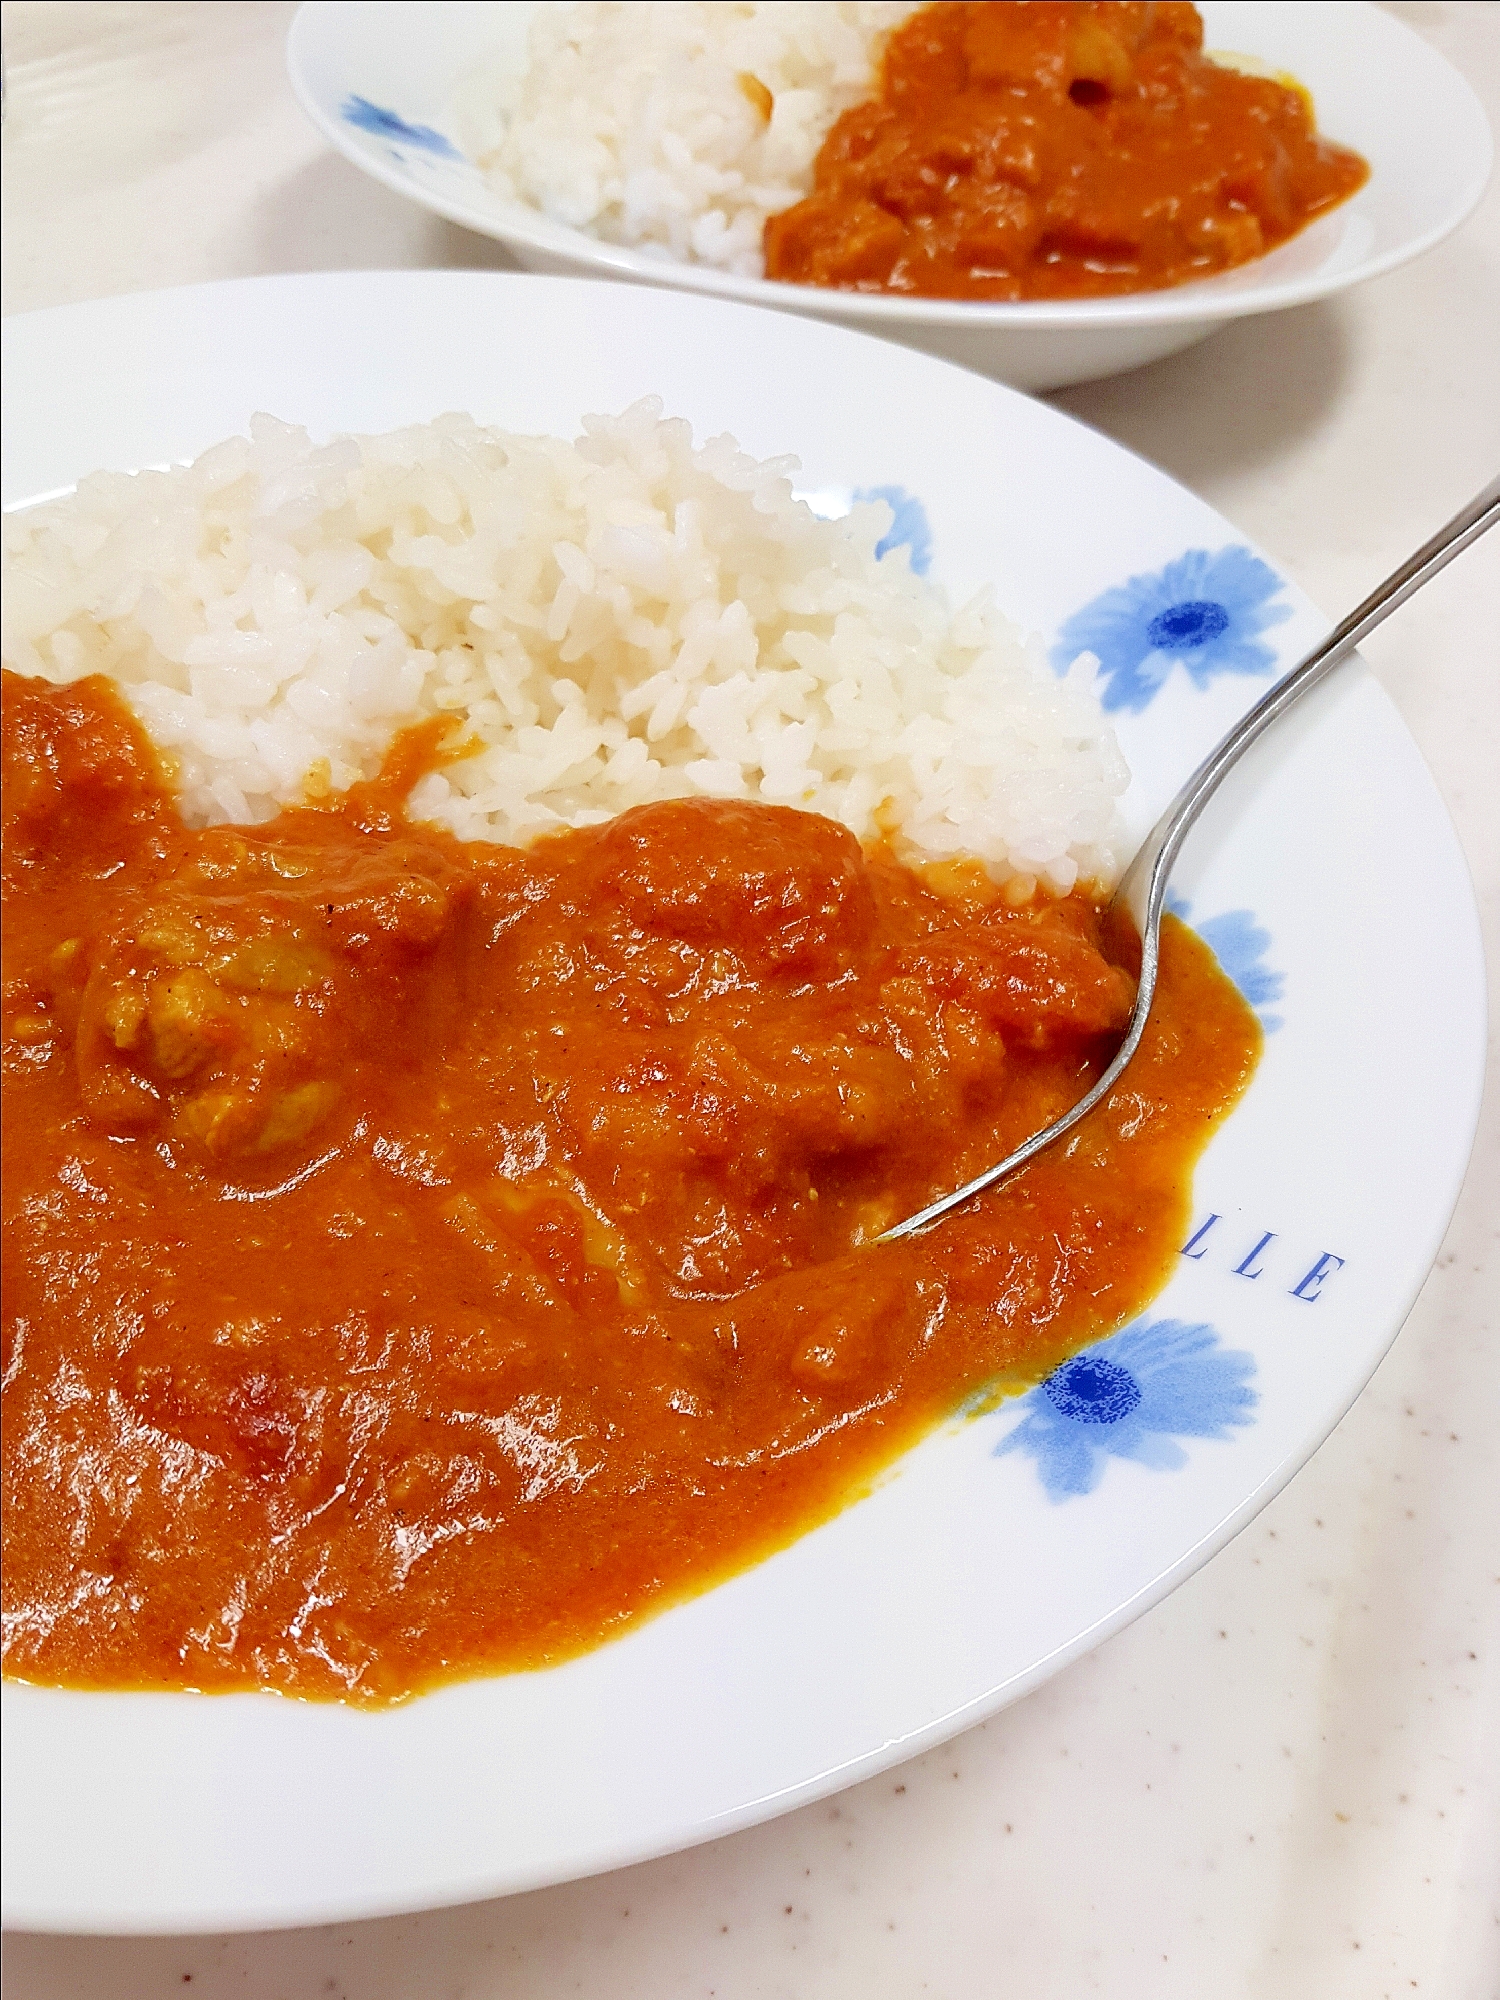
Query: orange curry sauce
[[423, 1258], [1048, 149]]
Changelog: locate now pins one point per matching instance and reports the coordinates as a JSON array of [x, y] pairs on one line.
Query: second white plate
[[382, 79]]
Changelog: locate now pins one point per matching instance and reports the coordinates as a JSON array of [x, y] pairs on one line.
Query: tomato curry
[[1050, 149], [424, 1258]]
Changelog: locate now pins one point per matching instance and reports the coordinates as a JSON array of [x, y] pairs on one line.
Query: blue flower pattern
[[909, 528], [1204, 612], [1132, 1396], [368, 117], [1240, 945]]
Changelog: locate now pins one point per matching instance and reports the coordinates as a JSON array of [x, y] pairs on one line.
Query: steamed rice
[[615, 620], [645, 124]]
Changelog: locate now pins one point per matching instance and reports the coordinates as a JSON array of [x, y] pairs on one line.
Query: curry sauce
[[422, 1259], [1057, 149]]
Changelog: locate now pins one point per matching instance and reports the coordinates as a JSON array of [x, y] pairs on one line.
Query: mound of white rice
[[646, 124], [615, 620]]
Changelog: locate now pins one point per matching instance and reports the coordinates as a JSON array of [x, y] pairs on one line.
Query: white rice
[[616, 620], [634, 122]]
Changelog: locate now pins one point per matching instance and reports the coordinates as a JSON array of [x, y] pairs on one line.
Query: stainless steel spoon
[[1143, 887]]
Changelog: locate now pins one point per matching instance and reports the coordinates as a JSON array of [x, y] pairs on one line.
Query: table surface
[[1284, 1782]]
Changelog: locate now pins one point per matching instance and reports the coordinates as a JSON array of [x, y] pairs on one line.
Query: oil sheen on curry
[[1053, 149], [424, 1259]]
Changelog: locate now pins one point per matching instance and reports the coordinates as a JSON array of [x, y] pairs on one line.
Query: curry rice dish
[[428, 1253], [1054, 149]]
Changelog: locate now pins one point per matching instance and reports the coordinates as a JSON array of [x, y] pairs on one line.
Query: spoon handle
[[1143, 887], [1144, 881]]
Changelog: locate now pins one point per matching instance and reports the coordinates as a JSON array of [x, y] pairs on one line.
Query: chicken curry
[[423, 1259], [1054, 149]]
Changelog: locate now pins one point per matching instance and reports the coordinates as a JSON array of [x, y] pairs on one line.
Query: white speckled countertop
[[1284, 1783]]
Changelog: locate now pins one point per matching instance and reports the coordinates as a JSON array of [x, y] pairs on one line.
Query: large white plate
[[1326, 873], [384, 81]]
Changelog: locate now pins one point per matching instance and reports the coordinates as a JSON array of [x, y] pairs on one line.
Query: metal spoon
[[1143, 887]]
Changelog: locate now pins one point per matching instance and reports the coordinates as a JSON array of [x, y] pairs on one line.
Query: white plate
[[1331, 881], [381, 80]]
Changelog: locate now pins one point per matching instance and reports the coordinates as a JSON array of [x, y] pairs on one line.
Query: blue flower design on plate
[[1131, 1396], [384, 124], [1204, 612], [1240, 945], [910, 528]]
